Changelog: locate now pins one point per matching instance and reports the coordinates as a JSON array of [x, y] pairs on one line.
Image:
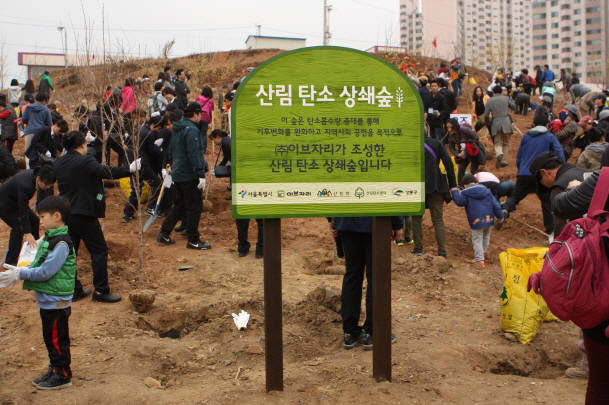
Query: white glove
[[241, 320], [9, 277], [201, 184], [127, 136], [89, 137], [167, 181], [135, 165], [47, 154], [213, 172], [159, 142]]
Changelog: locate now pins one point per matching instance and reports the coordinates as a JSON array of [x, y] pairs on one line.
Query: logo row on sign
[[308, 95], [294, 193]]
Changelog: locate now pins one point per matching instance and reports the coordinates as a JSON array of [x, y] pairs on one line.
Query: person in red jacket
[[128, 105]]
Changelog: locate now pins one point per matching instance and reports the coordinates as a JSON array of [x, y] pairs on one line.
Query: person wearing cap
[[188, 169], [537, 140], [590, 158], [496, 112], [585, 125], [553, 175], [567, 134], [603, 121], [544, 110], [499, 188], [46, 84], [600, 102]]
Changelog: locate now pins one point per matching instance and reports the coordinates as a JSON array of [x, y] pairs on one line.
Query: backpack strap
[[430, 150], [601, 192]]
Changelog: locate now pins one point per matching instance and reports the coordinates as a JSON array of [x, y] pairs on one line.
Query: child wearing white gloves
[[52, 276]]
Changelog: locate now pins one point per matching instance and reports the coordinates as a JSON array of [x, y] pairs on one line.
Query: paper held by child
[[27, 254]]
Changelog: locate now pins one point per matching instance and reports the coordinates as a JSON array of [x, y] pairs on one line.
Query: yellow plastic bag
[[522, 312], [125, 184]]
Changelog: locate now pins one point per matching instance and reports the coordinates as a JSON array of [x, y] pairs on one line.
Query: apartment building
[[429, 28], [495, 33], [572, 34], [484, 33]]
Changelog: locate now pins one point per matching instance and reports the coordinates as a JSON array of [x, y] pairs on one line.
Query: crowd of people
[[167, 150], [546, 165]]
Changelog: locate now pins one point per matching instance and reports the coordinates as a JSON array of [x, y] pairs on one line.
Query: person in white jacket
[[14, 93]]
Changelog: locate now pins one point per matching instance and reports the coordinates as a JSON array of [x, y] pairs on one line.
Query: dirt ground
[[445, 314]]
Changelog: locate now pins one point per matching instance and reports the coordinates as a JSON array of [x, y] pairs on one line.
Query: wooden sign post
[[327, 132]]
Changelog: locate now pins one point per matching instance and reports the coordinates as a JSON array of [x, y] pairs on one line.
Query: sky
[[141, 28]]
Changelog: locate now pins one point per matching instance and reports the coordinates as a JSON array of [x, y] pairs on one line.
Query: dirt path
[[445, 315]]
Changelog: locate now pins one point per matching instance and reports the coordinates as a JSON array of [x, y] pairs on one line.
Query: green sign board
[[327, 131]]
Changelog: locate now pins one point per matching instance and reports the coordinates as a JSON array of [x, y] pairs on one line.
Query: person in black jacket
[[424, 93], [152, 163], [465, 146], [8, 166], [356, 236], [223, 169], [449, 95], [553, 177], [181, 89], [79, 177], [8, 127], [15, 195], [90, 124], [45, 147], [436, 193], [112, 125], [437, 113]]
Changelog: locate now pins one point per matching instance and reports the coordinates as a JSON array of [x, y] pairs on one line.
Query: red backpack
[[575, 273]]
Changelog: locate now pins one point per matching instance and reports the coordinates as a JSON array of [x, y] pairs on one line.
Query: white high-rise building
[[574, 35], [495, 33], [484, 33]]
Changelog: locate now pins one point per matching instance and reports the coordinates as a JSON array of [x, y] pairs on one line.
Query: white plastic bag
[[27, 254]]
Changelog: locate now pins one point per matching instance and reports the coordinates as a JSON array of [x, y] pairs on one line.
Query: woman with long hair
[[28, 90], [479, 99], [465, 146]]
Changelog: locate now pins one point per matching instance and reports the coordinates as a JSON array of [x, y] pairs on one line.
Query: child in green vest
[[52, 276]]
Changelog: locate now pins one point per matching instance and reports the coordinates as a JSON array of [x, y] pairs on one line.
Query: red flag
[[435, 43]]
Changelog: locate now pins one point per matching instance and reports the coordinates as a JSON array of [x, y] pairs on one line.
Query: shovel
[[207, 205], [155, 215]]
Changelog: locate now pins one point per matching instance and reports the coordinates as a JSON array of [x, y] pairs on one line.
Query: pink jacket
[[207, 106], [129, 101]]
